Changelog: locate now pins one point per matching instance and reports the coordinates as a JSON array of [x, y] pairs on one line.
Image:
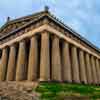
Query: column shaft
[[21, 62], [88, 68], [66, 63], [56, 60], [75, 65], [11, 64], [33, 59], [3, 67], [45, 58], [93, 70], [98, 70], [82, 67]]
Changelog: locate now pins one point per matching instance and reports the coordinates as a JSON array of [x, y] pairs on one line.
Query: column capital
[[55, 36], [5, 47], [45, 31], [23, 40], [63, 40], [35, 35], [73, 46], [13, 44]]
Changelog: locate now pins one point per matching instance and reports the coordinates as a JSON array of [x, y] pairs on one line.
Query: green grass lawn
[[60, 91]]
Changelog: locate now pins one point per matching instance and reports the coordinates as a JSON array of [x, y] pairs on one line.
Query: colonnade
[[46, 57]]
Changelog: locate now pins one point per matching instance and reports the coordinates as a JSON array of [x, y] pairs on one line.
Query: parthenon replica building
[[40, 47]]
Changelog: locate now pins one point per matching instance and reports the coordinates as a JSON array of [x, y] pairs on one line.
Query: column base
[[77, 82], [99, 84], [56, 81], [44, 80], [51, 81], [66, 81]]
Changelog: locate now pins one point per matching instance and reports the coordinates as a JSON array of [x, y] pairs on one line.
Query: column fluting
[[93, 70], [45, 57], [82, 67], [21, 62], [11, 63], [4, 62], [98, 70], [75, 64], [88, 69], [66, 63], [33, 59], [56, 60]]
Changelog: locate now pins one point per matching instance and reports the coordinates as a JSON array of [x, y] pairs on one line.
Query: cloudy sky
[[81, 15]]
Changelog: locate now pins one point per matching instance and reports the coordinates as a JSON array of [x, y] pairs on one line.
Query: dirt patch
[[18, 91]]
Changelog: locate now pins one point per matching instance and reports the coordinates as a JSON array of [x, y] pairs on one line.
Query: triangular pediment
[[15, 24]]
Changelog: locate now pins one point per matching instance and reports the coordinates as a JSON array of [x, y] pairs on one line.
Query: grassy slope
[[57, 91]]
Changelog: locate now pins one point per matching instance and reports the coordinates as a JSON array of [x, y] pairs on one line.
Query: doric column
[[88, 69], [66, 63], [56, 60], [93, 70], [82, 67], [21, 62], [33, 59], [11, 63], [3, 65], [75, 64], [45, 58], [98, 70]]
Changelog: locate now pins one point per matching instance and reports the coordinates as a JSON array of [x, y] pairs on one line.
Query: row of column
[[50, 61]]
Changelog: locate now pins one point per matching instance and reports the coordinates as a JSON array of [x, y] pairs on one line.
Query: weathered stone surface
[[66, 63], [56, 60], [21, 62], [3, 65], [18, 91], [82, 67], [33, 60], [75, 65], [45, 58], [11, 64], [88, 69], [93, 70]]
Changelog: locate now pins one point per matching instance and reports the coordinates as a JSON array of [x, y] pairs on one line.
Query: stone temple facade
[[40, 47]]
